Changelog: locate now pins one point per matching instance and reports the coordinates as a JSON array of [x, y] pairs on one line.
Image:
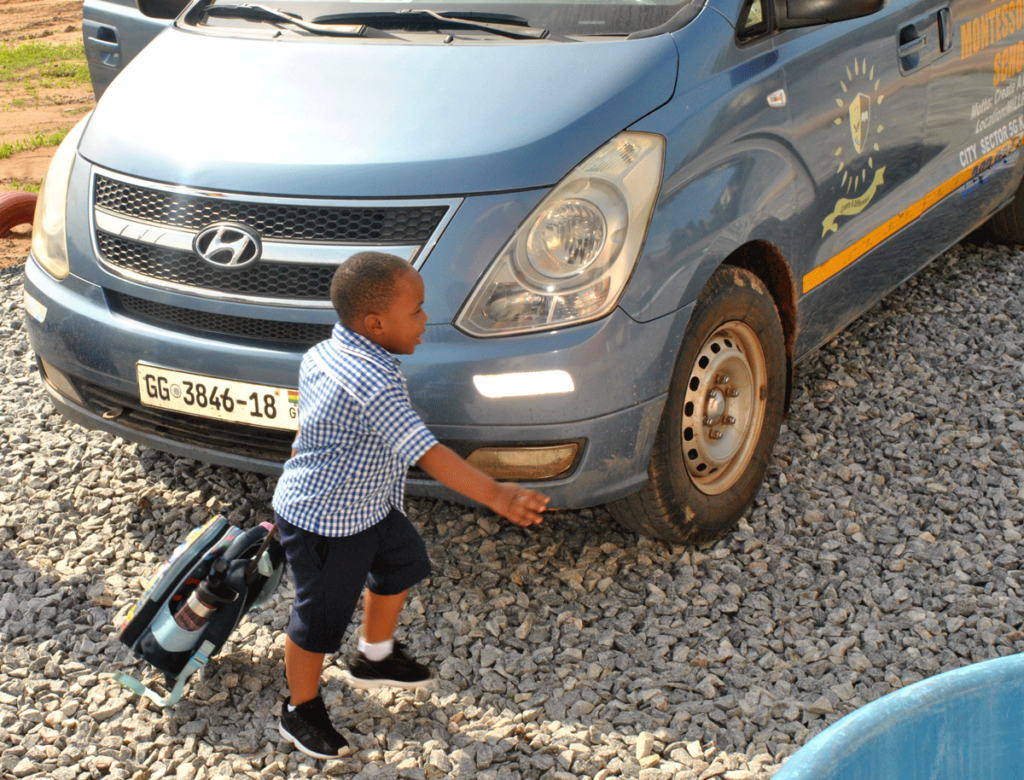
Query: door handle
[[101, 44], [914, 46], [924, 40], [945, 30]]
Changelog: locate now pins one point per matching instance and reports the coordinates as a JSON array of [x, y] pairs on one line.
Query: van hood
[[363, 118]]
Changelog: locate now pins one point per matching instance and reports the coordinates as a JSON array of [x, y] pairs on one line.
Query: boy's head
[[380, 296]]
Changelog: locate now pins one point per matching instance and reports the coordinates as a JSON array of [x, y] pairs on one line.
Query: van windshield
[[557, 17]]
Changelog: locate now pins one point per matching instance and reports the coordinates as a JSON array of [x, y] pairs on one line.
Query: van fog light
[[526, 383], [34, 308], [60, 382], [525, 464]]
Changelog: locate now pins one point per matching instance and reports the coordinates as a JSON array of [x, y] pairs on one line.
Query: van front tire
[[722, 417], [1007, 226]]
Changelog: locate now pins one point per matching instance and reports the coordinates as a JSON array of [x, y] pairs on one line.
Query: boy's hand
[[517, 504]]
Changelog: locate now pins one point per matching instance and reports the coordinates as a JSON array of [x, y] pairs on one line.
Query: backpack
[[242, 568]]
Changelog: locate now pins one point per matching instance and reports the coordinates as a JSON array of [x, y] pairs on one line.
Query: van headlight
[[570, 260], [49, 238]]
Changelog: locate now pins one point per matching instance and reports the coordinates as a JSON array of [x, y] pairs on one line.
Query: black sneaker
[[396, 671], [309, 728]]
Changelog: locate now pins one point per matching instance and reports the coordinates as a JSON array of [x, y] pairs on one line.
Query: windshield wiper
[[423, 19], [255, 12]]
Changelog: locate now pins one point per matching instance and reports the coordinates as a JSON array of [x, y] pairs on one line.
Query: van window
[[753, 20], [559, 18]]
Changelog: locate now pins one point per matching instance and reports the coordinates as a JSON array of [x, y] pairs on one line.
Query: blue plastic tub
[[965, 724]]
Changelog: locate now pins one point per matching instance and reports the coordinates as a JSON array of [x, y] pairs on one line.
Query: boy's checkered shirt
[[358, 436]]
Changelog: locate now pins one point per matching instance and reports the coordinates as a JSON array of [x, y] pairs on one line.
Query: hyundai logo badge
[[228, 245]]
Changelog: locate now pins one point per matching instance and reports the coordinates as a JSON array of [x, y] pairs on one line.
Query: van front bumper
[[620, 371]]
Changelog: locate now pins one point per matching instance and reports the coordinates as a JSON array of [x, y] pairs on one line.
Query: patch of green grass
[[61, 64], [37, 141], [14, 184], [15, 105]]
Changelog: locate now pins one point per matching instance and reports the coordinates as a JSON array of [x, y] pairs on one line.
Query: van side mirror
[[803, 13], [161, 9]]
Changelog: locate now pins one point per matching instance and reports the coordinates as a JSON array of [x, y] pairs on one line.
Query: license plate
[[219, 399]]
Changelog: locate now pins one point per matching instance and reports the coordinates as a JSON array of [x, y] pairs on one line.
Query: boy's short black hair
[[364, 284]]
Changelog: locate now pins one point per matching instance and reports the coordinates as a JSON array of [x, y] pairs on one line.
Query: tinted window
[[607, 17]]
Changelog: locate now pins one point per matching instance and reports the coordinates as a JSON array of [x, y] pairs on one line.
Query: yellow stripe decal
[[856, 251]]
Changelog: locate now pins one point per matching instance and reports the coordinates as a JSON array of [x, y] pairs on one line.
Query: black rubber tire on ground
[[1007, 227], [722, 417], [16, 208]]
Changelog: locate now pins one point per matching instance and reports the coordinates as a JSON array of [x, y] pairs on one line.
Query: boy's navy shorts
[[330, 573]]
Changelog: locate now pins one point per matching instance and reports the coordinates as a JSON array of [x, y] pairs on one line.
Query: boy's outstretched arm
[[518, 504]]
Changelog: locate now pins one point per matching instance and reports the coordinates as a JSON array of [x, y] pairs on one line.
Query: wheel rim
[[724, 408]]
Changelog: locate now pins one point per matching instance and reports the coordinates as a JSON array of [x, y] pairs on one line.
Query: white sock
[[291, 707], [376, 651]]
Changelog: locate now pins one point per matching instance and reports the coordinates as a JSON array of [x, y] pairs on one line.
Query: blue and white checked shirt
[[358, 435]]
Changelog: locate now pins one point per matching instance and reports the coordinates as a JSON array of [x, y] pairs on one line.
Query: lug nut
[[715, 435], [729, 420], [732, 392]]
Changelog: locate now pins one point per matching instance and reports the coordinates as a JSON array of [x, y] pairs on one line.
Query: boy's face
[[399, 327]]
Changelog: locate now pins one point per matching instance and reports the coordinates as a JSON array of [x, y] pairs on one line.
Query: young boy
[[338, 504]]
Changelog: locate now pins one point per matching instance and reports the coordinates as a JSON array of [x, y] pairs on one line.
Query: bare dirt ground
[[25, 112]]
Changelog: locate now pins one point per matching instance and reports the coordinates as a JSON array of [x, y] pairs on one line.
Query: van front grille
[[270, 251], [263, 280], [326, 224], [301, 335]]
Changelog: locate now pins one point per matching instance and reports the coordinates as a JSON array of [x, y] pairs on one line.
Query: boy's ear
[[373, 323]]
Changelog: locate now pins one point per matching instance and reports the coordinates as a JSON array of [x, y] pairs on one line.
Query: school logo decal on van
[[861, 179], [860, 121]]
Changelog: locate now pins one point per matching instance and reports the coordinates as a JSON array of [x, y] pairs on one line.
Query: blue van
[[632, 218]]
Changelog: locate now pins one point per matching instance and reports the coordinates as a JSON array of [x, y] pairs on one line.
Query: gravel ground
[[882, 549]]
